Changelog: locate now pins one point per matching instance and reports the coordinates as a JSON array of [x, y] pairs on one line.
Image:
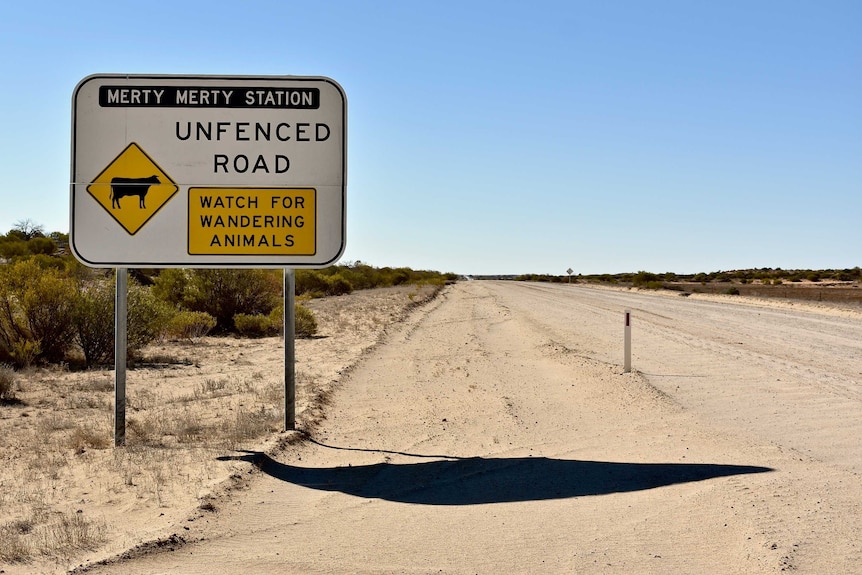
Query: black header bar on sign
[[208, 97]]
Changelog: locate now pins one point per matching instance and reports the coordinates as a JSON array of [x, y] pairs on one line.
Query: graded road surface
[[495, 432]]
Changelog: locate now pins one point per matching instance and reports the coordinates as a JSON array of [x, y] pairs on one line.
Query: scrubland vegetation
[[834, 285], [54, 310], [766, 276]]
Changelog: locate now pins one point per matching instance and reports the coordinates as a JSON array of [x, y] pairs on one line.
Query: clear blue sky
[[507, 137]]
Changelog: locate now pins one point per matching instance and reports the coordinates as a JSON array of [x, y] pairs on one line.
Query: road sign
[[133, 174], [232, 221], [207, 171]]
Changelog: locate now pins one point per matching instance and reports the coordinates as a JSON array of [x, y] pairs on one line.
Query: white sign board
[[207, 171]]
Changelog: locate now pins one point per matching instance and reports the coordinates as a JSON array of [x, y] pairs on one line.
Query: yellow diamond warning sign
[[132, 188], [252, 221]]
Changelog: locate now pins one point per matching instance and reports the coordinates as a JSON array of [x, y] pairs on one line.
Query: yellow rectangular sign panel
[[252, 221]]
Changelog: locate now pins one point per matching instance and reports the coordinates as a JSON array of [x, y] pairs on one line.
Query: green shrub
[[733, 290], [269, 325], [255, 325], [170, 286], [343, 279], [399, 276], [276, 316], [148, 318], [224, 293], [48, 304], [644, 279], [311, 282], [94, 322], [319, 283], [190, 325], [11, 248], [36, 306], [41, 246], [338, 285], [24, 352], [306, 323]]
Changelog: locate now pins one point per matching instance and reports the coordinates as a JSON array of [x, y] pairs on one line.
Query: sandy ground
[[493, 431], [68, 497]]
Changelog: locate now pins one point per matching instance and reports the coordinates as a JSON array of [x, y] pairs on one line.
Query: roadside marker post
[[627, 361]]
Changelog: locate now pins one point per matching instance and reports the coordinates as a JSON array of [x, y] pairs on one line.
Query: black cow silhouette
[[121, 187]]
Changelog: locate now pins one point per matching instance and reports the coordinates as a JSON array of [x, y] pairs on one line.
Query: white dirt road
[[494, 432]]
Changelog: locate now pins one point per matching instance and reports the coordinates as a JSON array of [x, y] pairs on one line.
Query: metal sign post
[[289, 350], [627, 361], [120, 353]]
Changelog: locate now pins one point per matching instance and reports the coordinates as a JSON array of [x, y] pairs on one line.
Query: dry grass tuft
[[14, 548], [69, 533], [60, 536], [8, 383], [86, 436]]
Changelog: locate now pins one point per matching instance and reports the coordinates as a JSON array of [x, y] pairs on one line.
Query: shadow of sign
[[478, 480]]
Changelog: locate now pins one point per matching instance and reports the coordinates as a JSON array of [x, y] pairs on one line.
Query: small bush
[[269, 325], [94, 322], [338, 285], [36, 306], [646, 279], [225, 293], [255, 325], [732, 291], [8, 384], [24, 352], [311, 282], [41, 246], [190, 325], [86, 437], [276, 316], [148, 318], [306, 323]]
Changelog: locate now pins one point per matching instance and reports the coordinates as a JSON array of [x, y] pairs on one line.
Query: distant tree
[[28, 229]]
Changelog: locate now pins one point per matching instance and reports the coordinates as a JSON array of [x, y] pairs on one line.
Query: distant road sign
[[207, 171]]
